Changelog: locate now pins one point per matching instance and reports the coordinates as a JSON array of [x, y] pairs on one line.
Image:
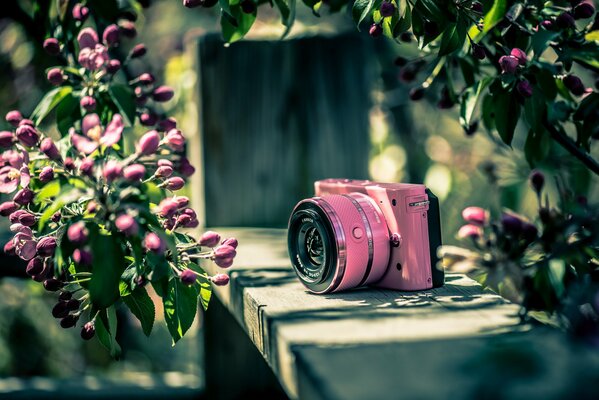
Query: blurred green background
[[410, 142]]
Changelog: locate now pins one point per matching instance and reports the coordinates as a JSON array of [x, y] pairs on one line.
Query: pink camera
[[356, 233]]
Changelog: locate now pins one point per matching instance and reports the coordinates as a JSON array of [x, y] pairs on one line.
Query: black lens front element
[[313, 246]]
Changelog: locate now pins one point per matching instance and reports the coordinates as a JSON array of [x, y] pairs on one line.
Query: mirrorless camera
[[356, 233]]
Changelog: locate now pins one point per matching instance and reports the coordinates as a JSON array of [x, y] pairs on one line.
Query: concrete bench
[[457, 341]]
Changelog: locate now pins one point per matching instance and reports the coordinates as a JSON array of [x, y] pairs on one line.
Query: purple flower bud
[[224, 252], [60, 310], [112, 170], [192, 3], [416, 93], [8, 207], [23, 196], [209, 239], [149, 142], [56, 217], [13, 117], [46, 174], [111, 35], [167, 124], [52, 284], [529, 232], [547, 24], [139, 50], [6, 139], [537, 180], [224, 262], [27, 135], [127, 28], [55, 76], [127, 225], [478, 51], [134, 172], [185, 167], [146, 78], [508, 64], [574, 85], [230, 242], [524, 88], [174, 183], [69, 321], [148, 119], [584, 10], [153, 243], [470, 231], [26, 121], [164, 172], [88, 103], [52, 46], [82, 257], [190, 212], [475, 215], [113, 66], [248, 6], [86, 167], [80, 12], [520, 55], [220, 279], [9, 248], [511, 224], [167, 207], [78, 233], [565, 20], [175, 140], [387, 9], [163, 93], [35, 266], [183, 220], [48, 147], [64, 296], [164, 162], [375, 30], [46, 246], [88, 331], [92, 207], [188, 277], [27, 219], [73, 304], [182, 201], [14, 216], [477, 7]]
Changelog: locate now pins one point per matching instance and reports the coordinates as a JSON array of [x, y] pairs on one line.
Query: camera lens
[[338, 242]]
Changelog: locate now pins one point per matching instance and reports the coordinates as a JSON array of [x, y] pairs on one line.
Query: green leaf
[[592, 36], [67, 112], [48, 102], [536, 147], [108, 265], [540, 41], [180, 307], [142, 307], [69, 195], [470, 100], [453, 38], [361, 9], [233, 32], [495, 14], [287, 11], [123, 99], [534, 110], [205, 285], [507, 113], [106, 325], [50, 189], [487, 112]]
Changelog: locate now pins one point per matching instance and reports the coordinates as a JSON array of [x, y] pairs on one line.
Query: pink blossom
[[230, 242], [209, 239], [46, 246], [48, 147], [27, 135], [78, 233], [134, 172], [23, 196], [185, 167], [94, 135], [475, 215], [8, 207], [127, 224], [82, 257], [520, 55], [175, 140], [14, 117], [112, 170], [472, 231], [148, 143], [167, 207], [6, 139], [220, 279], [174, 183], [87, 38], [164, 171], [11, 178], [111, 35], [25, 246], [188, 277], [153, 243]]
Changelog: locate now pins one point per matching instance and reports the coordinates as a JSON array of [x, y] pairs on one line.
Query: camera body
[[356, 233]]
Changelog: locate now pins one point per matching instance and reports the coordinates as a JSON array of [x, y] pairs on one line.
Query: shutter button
[[395, 239], [357, 233]]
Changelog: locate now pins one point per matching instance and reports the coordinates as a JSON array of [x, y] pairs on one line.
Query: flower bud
[[387, 9], [15, 215], [175, 183], [46, 174], [167, 207], [86, 167], [48, 147], [134, 172], [113, 66], [111, 35], [69, 321], [470, 231], [192, 3], [574, 85], [508, 64], [520, 55], [26, 121], [547, 24], [537, 181], [182, 201], [529, 232], [82, 257], [524, 88], [164, 162], [112, 170], [8, 207], [46, 246], [139, 50], [88, 331], [23, 196], [52, 284], [154, 243], [148, 119], [146, 78], [60, 310], [73, 304], [224, 251], [163, 93], [375, 30], [230, 242], [92, 207], [475, 215], [6, 139], [56, 217], [416, 93], [69, 164], [78, 233], [478, 51], [35, 266], [188, 277], [477, 7], [209, 239], [175, 140], [9, 248], [167, 124], [64, 296], [27, 219], [52, 46], [80, 12], [185, 167], [55, 76], [223, 262], [183, 220], [584, 10], [127, 28], [27, 135], [164, 172], [511, 224], [13, 117], [220, 279], [149, 142], [127, 225], [565, 20], [88, 103]]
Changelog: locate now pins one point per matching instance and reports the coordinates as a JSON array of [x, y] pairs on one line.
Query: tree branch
[[567, 143]]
